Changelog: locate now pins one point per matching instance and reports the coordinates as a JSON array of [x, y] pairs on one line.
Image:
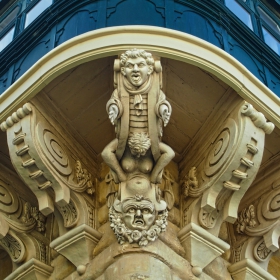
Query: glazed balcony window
[[34, 12], [7, 38], [270, 29], [7, 27], [240, 12], [9, 18]]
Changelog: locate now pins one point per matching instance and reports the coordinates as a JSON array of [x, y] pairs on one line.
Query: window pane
[[268, 20], [271, 41], [240, 12], [36, 11], [7, 38], [9, 18]]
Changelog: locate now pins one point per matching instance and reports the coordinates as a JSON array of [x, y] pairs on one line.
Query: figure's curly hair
[[134, 53], [139, 143]]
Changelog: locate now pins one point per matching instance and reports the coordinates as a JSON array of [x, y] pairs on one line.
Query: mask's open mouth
[[139, 222], [135, 76]]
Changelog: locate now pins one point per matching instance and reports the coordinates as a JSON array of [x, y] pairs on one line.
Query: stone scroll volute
[[230, 164]]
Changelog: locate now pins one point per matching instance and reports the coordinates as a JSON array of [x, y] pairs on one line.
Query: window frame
[[264, 24], [29, 6], [12, 24], [246, 6]]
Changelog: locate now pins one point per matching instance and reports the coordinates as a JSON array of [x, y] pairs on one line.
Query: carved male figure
[[138, 108]]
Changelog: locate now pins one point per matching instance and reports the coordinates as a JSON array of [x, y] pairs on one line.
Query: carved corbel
[[233, 160], [228, 169], [213, 190], [43, 159], [22, 231], [257, 230]]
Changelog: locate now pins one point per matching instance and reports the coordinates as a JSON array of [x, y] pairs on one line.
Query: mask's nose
[[138, 213], [135, 68]]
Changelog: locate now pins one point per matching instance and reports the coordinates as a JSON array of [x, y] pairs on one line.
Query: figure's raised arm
[[114, 108], [163, 109]]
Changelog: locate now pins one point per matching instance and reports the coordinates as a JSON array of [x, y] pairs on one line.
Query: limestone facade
[[202, 203]]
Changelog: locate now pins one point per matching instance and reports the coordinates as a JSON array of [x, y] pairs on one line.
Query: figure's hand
[[113, 113], [164, 113]]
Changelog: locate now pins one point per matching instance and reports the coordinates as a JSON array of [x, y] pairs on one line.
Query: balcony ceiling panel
[[80, 96]]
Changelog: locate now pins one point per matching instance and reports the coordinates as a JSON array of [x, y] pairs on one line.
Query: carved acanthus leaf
[[14, 247], [261, 252], [69, 214]]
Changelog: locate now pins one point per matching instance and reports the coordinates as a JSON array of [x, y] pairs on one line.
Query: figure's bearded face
[[138, 215], [137, 71]]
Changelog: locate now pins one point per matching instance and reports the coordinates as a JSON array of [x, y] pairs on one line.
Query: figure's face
[[138, 215], [137, 71]]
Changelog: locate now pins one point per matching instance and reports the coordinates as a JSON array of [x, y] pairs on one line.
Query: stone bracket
[[196, 240], [33, 269], [249, 270], [77, 245]]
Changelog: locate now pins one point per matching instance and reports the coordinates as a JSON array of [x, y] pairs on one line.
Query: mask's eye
[[130, 66], [131, 210], [140, 65], [146, 211]]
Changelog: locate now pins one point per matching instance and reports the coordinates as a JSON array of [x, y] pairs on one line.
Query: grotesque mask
[[136, 220], [136, 68], [138, 214]]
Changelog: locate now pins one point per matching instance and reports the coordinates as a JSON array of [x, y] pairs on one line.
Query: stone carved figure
[[138, 109]]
